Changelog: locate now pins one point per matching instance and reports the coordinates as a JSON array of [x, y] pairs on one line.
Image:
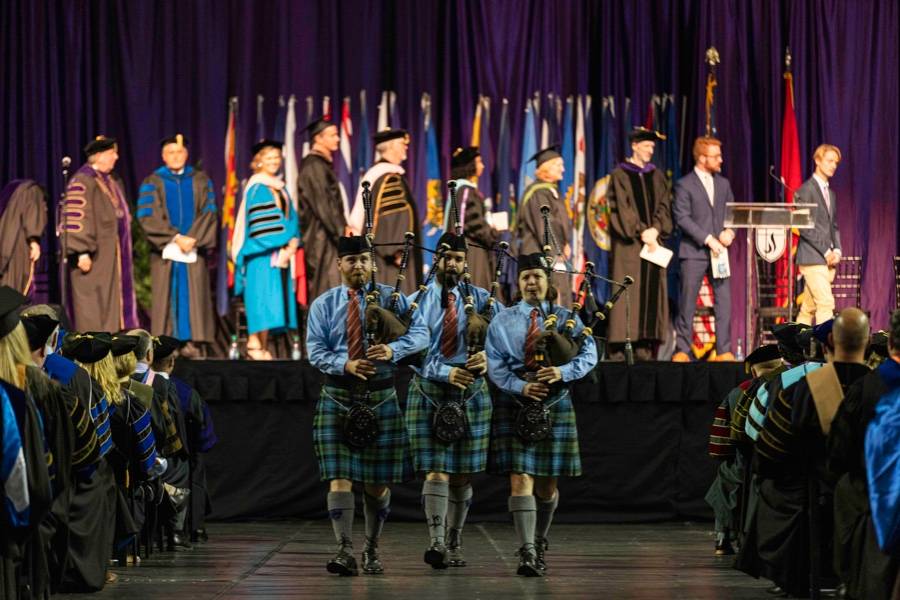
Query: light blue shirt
[[437, 366], [505, 347], [326, 329]]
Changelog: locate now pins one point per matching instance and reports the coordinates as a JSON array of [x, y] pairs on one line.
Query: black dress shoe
[[541, 545], [436, 556], [724, 548], [528, 562], [454, 549], [181, 540], [777, 591], [201, 535], [370, 563], [343, 563]]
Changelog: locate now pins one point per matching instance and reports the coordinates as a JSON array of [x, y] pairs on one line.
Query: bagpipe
[[558, 344], [386, 324], [477, 322]]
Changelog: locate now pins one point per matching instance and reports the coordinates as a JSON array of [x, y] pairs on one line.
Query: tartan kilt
[[385, 461], [556, 456], [468, 455]]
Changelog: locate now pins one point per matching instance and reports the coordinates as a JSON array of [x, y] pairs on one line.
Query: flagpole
[[789, 233]]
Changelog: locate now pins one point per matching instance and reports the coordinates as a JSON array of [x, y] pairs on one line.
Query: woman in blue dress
[[266, 236]]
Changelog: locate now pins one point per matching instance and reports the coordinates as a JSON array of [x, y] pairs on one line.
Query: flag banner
[[225, 268], [792, 178], [580, 189], [280, 120], [597, 243], [260, 119], [432, 227], [486, 149], [364, 153], [526, 166], [291, 176], [343, 160], [310, 109]]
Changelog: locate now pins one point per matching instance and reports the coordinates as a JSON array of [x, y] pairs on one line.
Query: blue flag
[[434, 218], [529, 147], [597, 242], [568, 153], [502, 168]]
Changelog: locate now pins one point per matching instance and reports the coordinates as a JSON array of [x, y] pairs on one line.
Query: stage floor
[[285, 559]]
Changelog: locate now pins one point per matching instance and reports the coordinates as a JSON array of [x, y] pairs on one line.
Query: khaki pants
[[818, 299]]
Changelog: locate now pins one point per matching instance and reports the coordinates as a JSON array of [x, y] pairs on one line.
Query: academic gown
[[98, 223], [530, 231], [638, 199], [859, 562], [171, 204], [269, 293], [23, 545], [394, 210], [23, 217], [477, 231], [92, 512], [783, 517], [322, 219], [201, 438]]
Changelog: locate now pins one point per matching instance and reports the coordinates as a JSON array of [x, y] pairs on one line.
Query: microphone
[[781, 182], [66, 161]]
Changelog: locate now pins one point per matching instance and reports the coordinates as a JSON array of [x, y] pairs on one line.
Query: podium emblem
[[771, 243]]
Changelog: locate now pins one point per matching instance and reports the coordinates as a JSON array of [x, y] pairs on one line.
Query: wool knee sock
[[434, 502], [545, 510], [376, 512], [460, 501], [523, 509], [340, 511]]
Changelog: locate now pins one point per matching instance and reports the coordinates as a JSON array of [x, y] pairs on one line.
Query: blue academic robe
[[269, 293]]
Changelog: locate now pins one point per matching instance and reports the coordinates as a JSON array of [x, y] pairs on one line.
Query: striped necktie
[[531, 341], [354, 327], [449, 340]]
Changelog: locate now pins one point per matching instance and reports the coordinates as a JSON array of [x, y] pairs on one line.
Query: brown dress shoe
[[681, 357]]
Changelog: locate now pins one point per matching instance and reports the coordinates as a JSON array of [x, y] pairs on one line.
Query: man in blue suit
[[699, 210]]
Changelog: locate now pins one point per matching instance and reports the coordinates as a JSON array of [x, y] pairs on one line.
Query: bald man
[[863, 568], [808, 408]]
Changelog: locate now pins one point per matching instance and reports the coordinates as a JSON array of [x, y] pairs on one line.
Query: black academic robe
[[394, 210], [530, 230], [92, 520], [154, 214], [478, 231], [24, 546], [322, 222], [783, 520], [22, 221], [637, 201], [859, 562]]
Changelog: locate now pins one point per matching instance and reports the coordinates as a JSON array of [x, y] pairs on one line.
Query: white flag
[[291, 172]]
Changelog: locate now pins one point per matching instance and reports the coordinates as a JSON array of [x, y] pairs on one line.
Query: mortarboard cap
[[178, 139], [548, 153], [10, 301], [100, 143], [642, 134], [123, 344], [386, 135], [39, 328], [164, 346], [463, 156], [316, 126], [86, 348], [263, 144]]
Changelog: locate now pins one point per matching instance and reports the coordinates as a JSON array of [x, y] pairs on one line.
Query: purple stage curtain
[[141, 69]]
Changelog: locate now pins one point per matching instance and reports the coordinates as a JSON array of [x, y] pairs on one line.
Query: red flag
[[229, 204], [792, 178]]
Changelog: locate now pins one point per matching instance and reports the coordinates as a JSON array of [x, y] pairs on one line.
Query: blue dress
[[269, 295]]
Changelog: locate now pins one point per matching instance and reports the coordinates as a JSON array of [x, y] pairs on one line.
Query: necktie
[[449, 340], [354, 327], [827, 198], [531, 341]]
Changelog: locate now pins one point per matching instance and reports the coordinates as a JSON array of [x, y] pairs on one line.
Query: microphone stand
[[629, 352], [63, 235]]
